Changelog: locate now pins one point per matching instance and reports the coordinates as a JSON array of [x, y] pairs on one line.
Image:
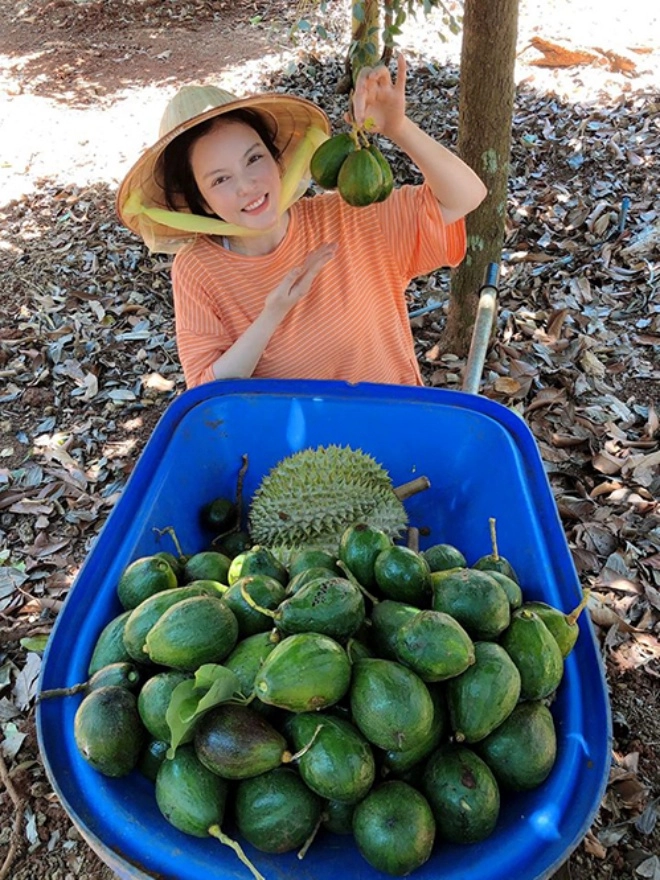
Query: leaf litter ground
[[88, 361]]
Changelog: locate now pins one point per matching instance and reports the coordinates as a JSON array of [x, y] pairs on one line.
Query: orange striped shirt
[[353, 324]]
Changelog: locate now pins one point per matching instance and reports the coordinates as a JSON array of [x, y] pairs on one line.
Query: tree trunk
[[364, 50], [487, 89]]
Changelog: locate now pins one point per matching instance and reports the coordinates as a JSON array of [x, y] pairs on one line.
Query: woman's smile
[[256, 205]]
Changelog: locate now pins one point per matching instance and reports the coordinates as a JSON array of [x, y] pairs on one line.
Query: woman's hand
[[242, 358], [380, 101], [456, 186], [297, 283]]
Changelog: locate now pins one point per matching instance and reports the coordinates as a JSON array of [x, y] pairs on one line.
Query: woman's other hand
[[297, 283]]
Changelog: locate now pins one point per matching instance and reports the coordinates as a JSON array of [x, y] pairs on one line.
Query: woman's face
[[236, 175]]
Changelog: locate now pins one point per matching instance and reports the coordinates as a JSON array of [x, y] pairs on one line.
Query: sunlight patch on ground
[[43, 138]]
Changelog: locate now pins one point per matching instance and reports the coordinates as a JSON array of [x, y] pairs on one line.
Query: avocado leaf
[[213, 684]]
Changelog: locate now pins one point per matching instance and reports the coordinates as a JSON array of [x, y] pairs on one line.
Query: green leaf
[[35, 643], [358, 12], [213, 684], [209, 673]]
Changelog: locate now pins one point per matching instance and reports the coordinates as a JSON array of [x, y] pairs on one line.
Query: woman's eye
[[255, 158], [218, 180]]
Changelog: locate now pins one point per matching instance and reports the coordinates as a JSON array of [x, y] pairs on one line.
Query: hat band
[[292, 189]]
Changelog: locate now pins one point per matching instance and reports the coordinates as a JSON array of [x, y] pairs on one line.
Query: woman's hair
[[178, 178]]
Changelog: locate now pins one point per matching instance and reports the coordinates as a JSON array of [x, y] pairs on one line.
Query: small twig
[[18, 815], [44, 601]]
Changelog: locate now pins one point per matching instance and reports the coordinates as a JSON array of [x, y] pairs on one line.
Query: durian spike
[[412, 487]]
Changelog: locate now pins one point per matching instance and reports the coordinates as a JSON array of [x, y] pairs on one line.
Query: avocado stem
[[218, 538], [238, 504], [493, 537], [62, 692], [275, 637], [239, 489], [354, 136], [413, 539], [250, 601], [310, 840], [351, 577], [412, 487], [349, 650], [168, 530], [304, 749], [571, 619], [215, 831]]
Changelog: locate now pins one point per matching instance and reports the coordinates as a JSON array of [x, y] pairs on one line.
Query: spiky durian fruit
[[309, 498]]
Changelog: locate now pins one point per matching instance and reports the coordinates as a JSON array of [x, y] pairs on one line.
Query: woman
[[269, 284]]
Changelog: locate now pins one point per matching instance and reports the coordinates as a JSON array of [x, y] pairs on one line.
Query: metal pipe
[[483, 326]]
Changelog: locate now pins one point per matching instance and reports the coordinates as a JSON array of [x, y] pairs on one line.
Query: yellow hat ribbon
[[292, 189]]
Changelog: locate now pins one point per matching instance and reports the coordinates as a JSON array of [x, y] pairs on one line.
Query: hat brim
[[289, 118]]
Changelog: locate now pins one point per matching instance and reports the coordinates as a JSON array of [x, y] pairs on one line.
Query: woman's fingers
[[315, 262], [359, 94], [300, 279], [375, 92]]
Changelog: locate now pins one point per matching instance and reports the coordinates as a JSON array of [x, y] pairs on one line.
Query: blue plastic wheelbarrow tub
[[482, 462]]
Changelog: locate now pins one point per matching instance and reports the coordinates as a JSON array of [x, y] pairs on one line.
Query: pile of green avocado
[[382, 692]]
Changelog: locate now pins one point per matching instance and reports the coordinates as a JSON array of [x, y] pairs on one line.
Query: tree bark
[[487, 89], [365, 41]]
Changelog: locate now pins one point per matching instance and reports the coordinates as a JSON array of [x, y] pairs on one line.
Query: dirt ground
[[82, 87]]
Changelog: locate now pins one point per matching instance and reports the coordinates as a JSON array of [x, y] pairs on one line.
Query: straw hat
[[141, 203]]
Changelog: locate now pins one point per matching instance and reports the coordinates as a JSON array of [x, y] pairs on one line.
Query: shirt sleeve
[[413, 224], [200, 335]]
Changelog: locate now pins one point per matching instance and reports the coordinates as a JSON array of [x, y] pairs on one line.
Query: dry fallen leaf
[[594, 847], [603, 615], [506, 385]]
